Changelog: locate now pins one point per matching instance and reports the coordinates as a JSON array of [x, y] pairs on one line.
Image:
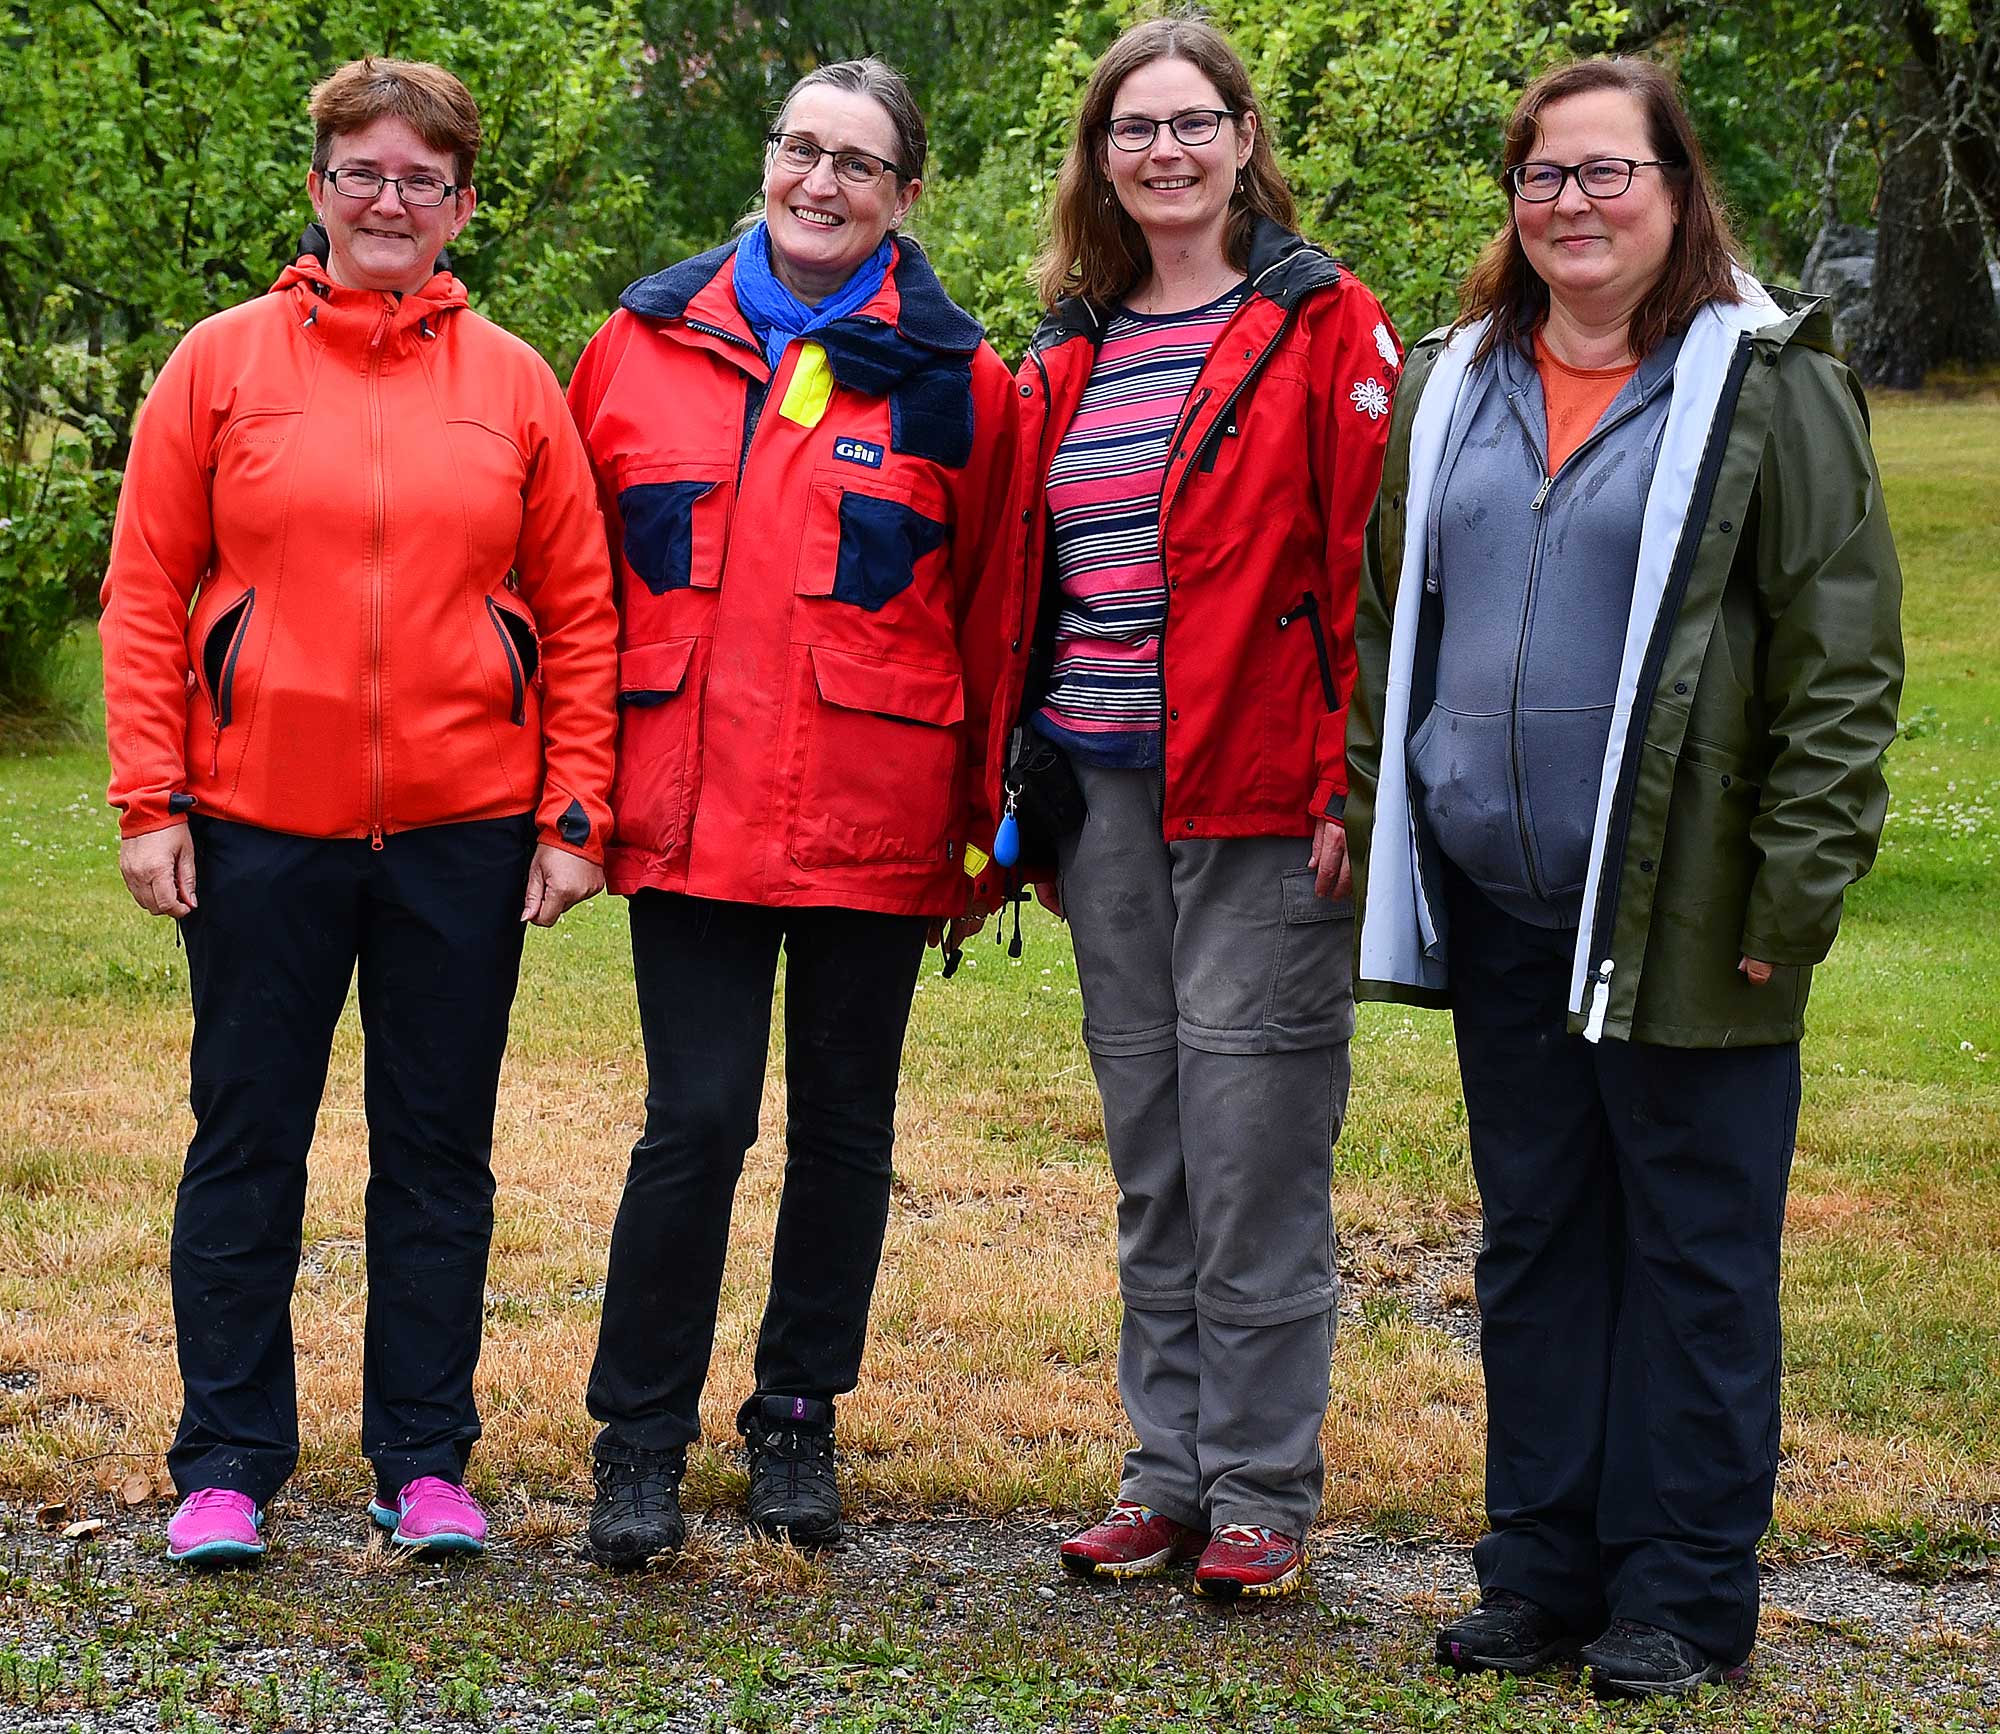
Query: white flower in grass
[[1371, 398]]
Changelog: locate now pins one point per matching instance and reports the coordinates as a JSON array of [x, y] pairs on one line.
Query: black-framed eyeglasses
[[799, 155], [1192, 126], [1599, 178], [411, 189]]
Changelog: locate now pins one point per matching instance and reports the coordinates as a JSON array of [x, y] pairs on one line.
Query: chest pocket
[[864, 547], [676, 524]]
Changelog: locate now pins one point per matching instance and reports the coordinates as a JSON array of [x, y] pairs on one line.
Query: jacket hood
[[422, 310], [926, 316], [1283, 267]]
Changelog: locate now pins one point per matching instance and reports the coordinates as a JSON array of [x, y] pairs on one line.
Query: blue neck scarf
[[778, 316]]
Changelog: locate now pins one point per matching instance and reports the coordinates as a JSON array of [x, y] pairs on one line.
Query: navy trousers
[[706, 973], [1633, 1198], [432, 920]]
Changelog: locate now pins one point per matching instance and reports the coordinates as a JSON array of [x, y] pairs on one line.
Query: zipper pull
[[1600, 999], [215, 750], [375, 837], [1535, 505]]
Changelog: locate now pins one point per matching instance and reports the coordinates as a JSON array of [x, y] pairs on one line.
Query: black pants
[[1628, 1290], [433, 921], [706, 972]]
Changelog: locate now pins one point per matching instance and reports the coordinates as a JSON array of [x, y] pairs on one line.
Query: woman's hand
[[952, 935], [1754, 972], [1049, 895], [159, 870], [557, 881], [1332, 877]]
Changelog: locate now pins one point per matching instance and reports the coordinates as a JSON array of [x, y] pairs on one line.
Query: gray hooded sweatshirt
[[1535, 577]]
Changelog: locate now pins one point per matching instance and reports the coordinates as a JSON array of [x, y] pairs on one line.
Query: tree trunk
[[1933, 301]]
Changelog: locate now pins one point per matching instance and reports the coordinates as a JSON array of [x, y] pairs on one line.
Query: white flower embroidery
[[1371, 398], [1385, 346]]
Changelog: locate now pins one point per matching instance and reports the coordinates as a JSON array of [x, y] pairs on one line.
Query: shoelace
[[206, 1498], [436, 1487], [626, 1482], [804, 1453], [1126, 1513], [1247, 1535]]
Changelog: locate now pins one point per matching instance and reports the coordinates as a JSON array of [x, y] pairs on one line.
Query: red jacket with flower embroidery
[[821, 635], [401, 615], [1270, 479]]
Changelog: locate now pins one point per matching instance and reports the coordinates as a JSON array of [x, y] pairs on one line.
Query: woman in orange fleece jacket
[[359, 675]]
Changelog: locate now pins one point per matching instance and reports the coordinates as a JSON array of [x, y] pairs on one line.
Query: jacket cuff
[[1327, 801], [565, 823], [144, 814]]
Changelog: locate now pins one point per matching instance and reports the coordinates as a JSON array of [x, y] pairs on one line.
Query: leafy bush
[[55, 532]]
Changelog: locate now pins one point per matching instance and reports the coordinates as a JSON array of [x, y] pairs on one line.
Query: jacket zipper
[[1516, 769], [377, 774], [1619, 828], [1167, 505], [519, 712], [1307, 609], [221, 702]]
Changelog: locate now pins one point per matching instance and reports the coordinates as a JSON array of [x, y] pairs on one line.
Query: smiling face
[[1598, 256], [382, 243], [1173, 191], [821, 227]]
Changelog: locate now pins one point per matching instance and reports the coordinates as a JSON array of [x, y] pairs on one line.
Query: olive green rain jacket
[[1742, 788]]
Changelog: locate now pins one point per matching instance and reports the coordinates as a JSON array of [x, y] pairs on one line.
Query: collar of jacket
[[1284, 268], [334, 313], [867, 351]]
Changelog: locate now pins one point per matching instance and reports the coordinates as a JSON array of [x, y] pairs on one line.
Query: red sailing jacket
[[821, 635], [401, 615], [1269, 483]]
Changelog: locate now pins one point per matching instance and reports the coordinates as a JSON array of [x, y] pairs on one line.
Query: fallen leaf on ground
[[82, 1527], [51, 1516], [136, 1488]]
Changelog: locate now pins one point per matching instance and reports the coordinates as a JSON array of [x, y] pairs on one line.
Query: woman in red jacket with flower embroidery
[[803, 451], [1203, 426]]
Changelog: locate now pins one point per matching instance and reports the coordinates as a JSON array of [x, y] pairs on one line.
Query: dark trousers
[[706, 972], [432, 919], [1628, 1291]]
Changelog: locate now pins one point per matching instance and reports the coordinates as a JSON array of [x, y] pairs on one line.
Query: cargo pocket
[[1312, 982], [522, 653], [676, 525], [881, 762], [655, 785], [863, 548]]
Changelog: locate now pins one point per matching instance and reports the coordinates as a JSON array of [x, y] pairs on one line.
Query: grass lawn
[[989, 1381]]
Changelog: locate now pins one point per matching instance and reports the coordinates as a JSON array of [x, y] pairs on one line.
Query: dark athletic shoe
[[793, 1494], [1505, 1634], [636, 1516], [1633, 1660]]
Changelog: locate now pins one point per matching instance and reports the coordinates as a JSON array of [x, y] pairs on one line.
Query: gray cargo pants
[[1218, 1001]]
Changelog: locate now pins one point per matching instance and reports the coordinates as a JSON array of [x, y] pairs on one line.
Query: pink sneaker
[[215, 1526], [433, 1514]]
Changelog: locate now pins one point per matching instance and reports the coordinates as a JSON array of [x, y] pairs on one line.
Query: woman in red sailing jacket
[[1204, 413], [379, 736], [803, 450]]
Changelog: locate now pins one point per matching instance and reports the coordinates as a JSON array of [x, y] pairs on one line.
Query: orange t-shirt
[[1574, 398]]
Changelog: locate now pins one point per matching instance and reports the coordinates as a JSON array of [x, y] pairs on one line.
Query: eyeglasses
[[1192, 126], [1600, 178], [411, 189], [799, 155]]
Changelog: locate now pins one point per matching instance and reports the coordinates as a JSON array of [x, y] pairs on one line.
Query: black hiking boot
[[636, 1516], [1634, 1660], [1505, 1634], [793, 1493]]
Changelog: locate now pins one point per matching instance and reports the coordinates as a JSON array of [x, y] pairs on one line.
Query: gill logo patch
[[863, 452]]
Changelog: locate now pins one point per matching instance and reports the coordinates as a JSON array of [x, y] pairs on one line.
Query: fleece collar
[[928, 326]]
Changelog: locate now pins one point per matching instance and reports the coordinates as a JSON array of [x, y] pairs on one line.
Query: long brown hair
[[1094, 249], [1701, 261]]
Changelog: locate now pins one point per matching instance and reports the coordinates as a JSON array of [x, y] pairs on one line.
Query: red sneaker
[[1133, 1541], [1245, 1559]]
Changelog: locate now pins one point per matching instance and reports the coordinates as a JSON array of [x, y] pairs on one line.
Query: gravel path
[[1834, 1632]]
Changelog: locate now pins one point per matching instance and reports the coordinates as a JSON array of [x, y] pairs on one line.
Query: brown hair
[[880, 81], [1701, 261], [439, 109], [1094, 249]]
